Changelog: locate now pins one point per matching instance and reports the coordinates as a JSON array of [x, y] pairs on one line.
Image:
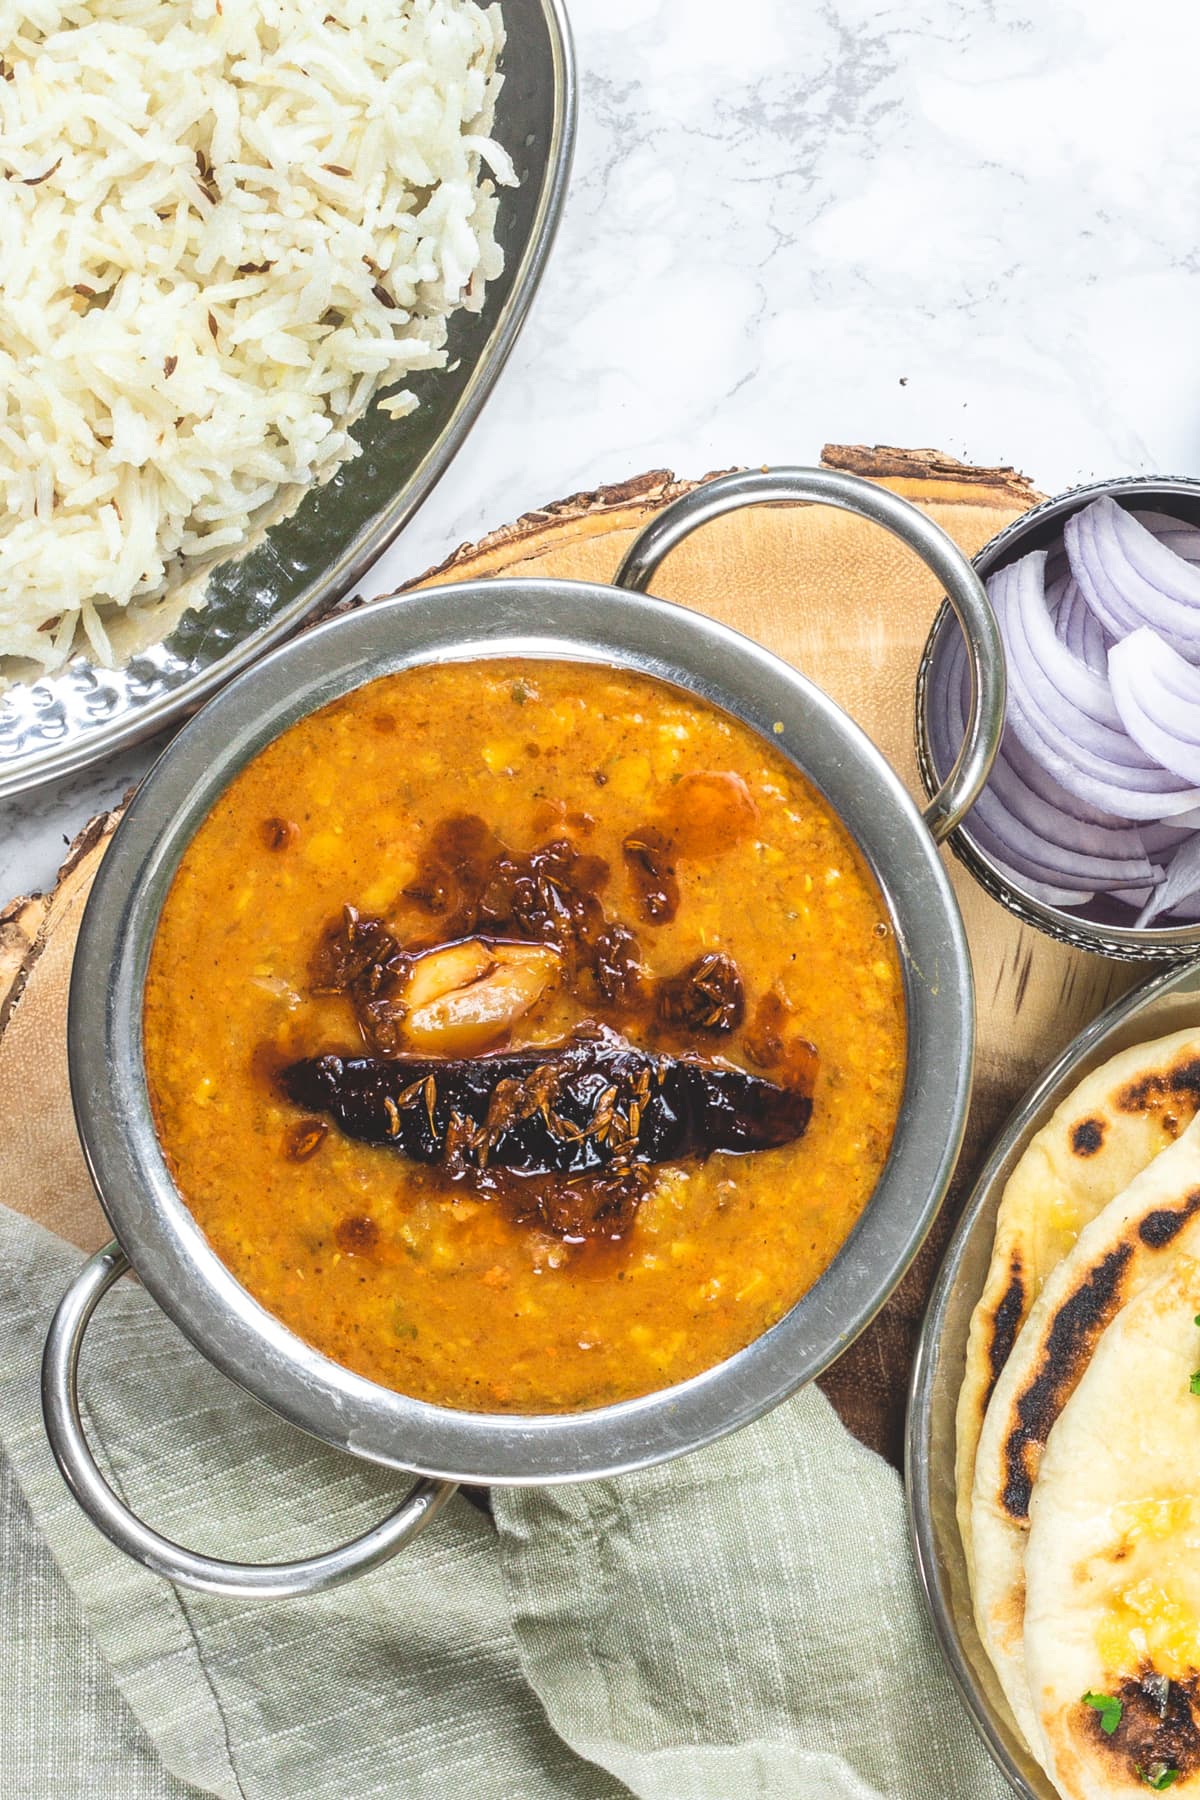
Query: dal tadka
[[526, 1036]]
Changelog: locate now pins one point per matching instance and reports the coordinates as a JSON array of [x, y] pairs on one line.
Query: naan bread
[[1113, 1560], [1105, 1132], [1135, 1238]]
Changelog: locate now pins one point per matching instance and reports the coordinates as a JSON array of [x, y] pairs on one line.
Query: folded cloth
[[742, 1622]]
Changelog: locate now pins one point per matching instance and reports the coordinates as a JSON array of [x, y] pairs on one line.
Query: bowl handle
[[964, 590], [245, 1581]]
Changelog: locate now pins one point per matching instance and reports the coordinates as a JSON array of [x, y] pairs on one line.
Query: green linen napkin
[[743, 1622]]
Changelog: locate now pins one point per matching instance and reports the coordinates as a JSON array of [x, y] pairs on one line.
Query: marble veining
[[970, 224]]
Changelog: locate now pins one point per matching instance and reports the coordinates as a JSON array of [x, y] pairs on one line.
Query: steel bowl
[[1098, 926], [621, 626]]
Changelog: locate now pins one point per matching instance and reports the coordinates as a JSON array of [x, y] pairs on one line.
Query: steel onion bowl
[[1102, 925]]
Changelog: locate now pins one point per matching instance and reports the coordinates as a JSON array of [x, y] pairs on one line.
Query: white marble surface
[[970, 224]]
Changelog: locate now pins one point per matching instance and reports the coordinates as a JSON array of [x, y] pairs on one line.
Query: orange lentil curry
[[493, 879]]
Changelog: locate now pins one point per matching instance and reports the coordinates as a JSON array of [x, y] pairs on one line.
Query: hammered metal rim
[[1153, 944]]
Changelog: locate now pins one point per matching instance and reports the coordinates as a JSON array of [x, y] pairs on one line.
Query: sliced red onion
[[1180, 892], [1182, 539], [947, 676], [1041, 841], [1153, 665], [1061, 830], [1190, 819], [1168, 834], [1057, 823], [1022, 853], [1156, 562], [1022, 847], [1158, 695], [1041, 713], [1079, 628], [1040, 890], [1077, 684], [1126, 792], [1028, 877], [1099, 764], [1186, 913], [1130, 579], [1023, 782], [1058, 569], [1035, 776], [1036, 693], [1027, 772]]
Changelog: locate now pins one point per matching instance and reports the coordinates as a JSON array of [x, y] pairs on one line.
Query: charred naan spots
[[1065, 1354], [1007, 1616], [1006, 1321], [1087, 1137], [1155, 1091], [1157, 1728], [1158, 1228]]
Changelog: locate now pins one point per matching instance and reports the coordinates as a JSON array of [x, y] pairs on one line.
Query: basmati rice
[[223, 225]]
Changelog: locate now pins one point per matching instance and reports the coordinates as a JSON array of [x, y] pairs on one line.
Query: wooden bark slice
[[42, 1171], [835, 596]]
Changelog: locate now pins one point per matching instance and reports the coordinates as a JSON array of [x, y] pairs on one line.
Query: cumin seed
[[37, 180]]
